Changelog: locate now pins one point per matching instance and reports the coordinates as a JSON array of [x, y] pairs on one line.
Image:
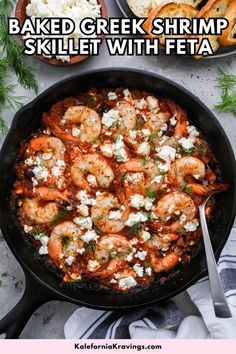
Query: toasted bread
[[212, 9], [170, 10], [140, 8], [157, 3], [228, 36]]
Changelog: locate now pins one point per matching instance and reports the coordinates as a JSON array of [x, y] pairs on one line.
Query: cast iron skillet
[[43, 285], [222, 52]]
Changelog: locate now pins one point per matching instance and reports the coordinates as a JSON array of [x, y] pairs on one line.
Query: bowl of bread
[[222, 45]]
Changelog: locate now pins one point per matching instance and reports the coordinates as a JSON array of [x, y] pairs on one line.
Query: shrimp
[[50, 148], [128, 117], [88, 130], [44, 193], [93, 164], [64, 241], [101, 217], [149, 171], [172, 205], [210, 189], [161, 241], [164, 264], [110, 252], [155, 121], [183, 167], [38, 211]]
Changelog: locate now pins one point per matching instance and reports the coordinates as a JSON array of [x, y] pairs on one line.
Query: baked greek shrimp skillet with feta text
[[107, 189]]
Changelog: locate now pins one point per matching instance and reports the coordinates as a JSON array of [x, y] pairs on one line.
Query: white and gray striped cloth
[[168, 321]]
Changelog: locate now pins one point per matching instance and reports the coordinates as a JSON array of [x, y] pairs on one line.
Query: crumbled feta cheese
[[135, 177], [110, 118], [107, 150], [135, 218], [127, 282], [89, 236], [76, 132], [83, 197], [186, 143], [47, 156], [112, 96], [166, 153], [144, 235], [158, 179], [183, 218], [164, 127], [93, 265], [191, 226], [137, 201], [144, 149], [148, 271], [148, 203], [141, 255], [126, 93], [196, 176], [28, 228], [70, 260], [30, 161], [44, 240], [192, 131], [146, 132], [61, 163], [56, 171], [41, 172], [120, 151], [92, 180], [83, 210], [76, 10], [43, 250], [139, 270], [164, 167], [113, 281], [115, 215], [153, 102], [173, 121], [84, 222], [80, 250], [129, 257], [140, 104], [133, 134]]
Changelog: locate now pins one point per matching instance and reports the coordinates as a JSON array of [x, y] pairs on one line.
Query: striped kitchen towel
[[167, 321]]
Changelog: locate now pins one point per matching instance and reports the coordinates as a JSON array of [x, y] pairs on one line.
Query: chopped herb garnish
[[181, 231], [91, 246], [124, 176], [145, 161], [226, 82], [134, 230], [153, 137], [149, 193], [65, 242]]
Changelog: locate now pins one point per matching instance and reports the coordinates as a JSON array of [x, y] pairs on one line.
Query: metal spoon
[[221, 307]]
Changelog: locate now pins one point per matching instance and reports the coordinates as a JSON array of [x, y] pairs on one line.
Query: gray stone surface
[[197, 76]]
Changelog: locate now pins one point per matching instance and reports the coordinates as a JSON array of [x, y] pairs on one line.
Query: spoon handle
[[219, 301]]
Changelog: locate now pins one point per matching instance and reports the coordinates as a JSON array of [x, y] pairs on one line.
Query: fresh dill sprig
[[14, 51], [226, 82], [3, 126]]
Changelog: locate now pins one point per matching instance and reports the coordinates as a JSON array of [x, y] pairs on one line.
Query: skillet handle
[[34, 296]]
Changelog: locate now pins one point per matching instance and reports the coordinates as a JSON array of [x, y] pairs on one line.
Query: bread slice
[[228, 36], [213, 9], [140, 8], [170, 10], [158, 3]]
